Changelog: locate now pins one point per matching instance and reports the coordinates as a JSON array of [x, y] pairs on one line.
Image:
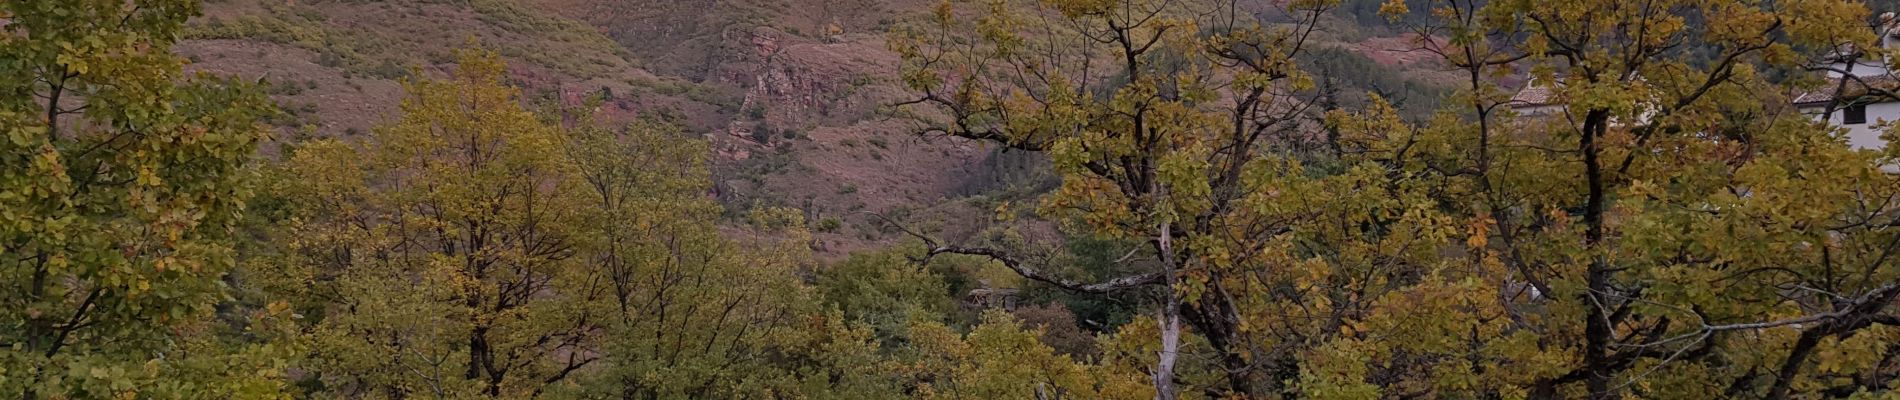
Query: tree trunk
[[1792, 366], [1170, 319], [1598, 332], [1170, 348]]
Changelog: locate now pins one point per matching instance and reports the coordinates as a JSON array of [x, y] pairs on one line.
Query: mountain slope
[[336, 64], [791, 94]]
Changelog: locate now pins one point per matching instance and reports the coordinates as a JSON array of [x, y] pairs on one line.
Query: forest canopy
[[1220, 219]]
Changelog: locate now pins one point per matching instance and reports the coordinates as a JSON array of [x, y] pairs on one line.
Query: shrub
[[761, 134]]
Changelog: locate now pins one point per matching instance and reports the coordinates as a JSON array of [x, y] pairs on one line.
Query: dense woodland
[[1233, 224]]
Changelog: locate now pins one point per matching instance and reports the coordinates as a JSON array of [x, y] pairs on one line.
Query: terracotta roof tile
[[1855, 88], [1534, 95]]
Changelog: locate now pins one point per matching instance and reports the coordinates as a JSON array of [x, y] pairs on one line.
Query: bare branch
[[1015, 264], [1112, 285]]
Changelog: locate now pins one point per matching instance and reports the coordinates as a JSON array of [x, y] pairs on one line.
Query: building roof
[[1855, 88], [1535, 94]]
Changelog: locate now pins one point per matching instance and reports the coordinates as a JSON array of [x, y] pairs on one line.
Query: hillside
[[336, 63], [791, 94]]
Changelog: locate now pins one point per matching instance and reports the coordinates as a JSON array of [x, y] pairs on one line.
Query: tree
[[697, 313], [445, 248], [120, 182], [1646, 239], [735, 321], [476, 249], [1676, 231], [999, 359], [1156, 114], [884, 290]]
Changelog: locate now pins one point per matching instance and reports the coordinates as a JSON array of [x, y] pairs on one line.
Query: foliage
[[1095, 259], [476, 249], [1232, 228], [446, 247], [724, 319], [886, 291], [1646, 241], [121, 182], [1161, 118], [1659, 252], [1001, 360]]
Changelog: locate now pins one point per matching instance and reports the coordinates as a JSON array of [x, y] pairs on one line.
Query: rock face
[[813, 105], [823, 83]]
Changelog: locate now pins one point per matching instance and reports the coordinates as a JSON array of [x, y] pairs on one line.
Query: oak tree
[[443, 250], [121, 179]]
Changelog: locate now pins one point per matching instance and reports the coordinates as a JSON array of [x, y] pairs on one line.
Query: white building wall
[[1864, 136], [1862, 67]]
